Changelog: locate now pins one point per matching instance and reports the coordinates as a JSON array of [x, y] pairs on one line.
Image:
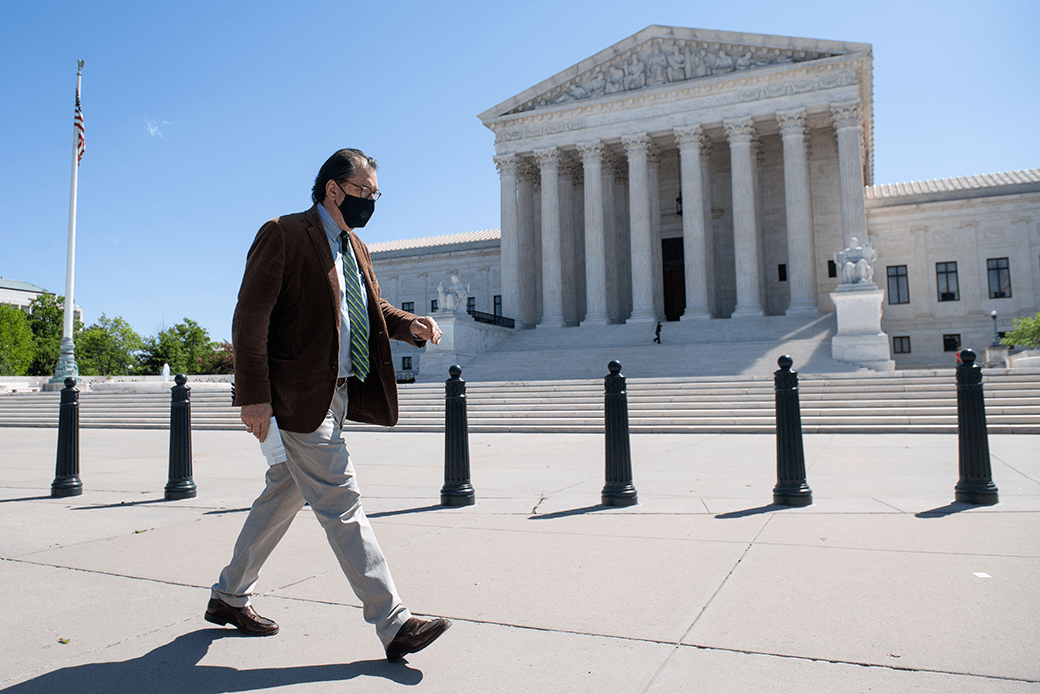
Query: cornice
[[688, 97]]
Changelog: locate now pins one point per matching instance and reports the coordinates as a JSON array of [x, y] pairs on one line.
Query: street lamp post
[[996, 335]]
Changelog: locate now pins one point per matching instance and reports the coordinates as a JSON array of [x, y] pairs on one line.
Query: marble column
[[637, 147], [567, 173], [610, 236], [850, 171], [510, 254], [741, 133], [530, 267], [578, 250], [619, 253], [552, 251], [801, 276], [692, 143], [595, 234], [656, 260]]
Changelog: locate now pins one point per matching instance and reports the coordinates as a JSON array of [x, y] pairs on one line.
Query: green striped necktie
[[356, 311]]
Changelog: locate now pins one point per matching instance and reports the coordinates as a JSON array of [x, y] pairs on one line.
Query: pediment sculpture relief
[[665, 62]]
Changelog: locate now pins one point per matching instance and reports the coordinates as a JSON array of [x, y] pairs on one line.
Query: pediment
[[659, 56]]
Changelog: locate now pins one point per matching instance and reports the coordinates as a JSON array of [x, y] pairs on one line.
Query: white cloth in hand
[[272, 446]]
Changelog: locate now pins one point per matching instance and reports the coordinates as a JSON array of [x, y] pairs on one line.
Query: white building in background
[[414, 275], [690, 175], [951, 253], [20, 295]]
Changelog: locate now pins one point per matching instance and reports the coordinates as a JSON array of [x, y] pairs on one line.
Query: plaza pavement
[[882, 585]]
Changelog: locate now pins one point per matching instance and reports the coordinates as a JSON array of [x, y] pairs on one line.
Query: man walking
[[311, 343]]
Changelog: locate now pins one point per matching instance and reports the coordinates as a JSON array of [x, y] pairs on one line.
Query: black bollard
[[791, 487], [618, 490], [180, 485], [66, 469], [457, 490], [976, 475]]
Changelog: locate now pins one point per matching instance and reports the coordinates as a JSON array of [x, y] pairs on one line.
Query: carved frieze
[[692, 97], [668, 61]]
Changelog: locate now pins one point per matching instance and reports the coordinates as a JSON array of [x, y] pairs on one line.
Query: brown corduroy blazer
[[286, 329]]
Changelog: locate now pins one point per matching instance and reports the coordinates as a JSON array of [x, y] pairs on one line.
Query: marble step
[[899, 401]]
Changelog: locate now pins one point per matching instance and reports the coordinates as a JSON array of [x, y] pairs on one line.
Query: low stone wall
[[1026, 359], [124, 384]]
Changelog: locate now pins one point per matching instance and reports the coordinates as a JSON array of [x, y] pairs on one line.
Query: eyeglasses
[[366, 192]]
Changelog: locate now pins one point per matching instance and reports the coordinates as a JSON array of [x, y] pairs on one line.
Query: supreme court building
[[685, 174], [763, 143]]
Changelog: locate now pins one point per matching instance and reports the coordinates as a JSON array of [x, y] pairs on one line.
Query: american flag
[[81, 140]]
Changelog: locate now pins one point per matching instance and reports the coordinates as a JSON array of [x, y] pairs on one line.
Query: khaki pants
[[320, 472]]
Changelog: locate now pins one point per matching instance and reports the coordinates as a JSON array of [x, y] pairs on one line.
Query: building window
[[832, 268], [898, 287], [901, 344], [999, 278], [471, 304], [946, 278], [781, 272], [433, 306], [498, 304], [406, 363], [408, 306], [951, 343]]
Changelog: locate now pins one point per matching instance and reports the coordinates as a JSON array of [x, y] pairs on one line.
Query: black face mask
[[356, 211]]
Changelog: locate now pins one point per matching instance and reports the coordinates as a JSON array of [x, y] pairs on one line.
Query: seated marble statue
[[461, 294], [445, 302], [855, 263]]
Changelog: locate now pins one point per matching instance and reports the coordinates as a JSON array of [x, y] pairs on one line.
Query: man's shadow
[[174, 667]]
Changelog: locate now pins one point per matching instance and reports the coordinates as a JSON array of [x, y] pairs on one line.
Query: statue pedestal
[[860, 340], [997, 356], [462, 339]]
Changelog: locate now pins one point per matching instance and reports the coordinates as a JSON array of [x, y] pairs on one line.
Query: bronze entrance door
[[674, 276]]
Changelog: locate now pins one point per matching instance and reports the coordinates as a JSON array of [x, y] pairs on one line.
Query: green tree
[[17, 347], [108, 348], [220, 361], [1026, 332], [186, 347], [47, 321]]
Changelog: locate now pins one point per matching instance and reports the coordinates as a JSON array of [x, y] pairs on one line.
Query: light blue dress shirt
[[333, 232]]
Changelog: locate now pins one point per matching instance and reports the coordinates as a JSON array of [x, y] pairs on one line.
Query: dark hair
[[341, 166]]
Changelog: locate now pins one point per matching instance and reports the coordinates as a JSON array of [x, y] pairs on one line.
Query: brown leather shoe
[[415, 635], [244, 618]]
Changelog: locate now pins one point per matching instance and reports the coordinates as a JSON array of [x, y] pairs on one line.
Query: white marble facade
[[767, 141], [981, 232], [415, 273]]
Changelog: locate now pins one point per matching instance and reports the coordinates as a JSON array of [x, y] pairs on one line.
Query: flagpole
[[67, 366]]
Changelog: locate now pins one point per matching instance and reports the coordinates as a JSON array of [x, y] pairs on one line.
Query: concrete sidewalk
[[882, 585]]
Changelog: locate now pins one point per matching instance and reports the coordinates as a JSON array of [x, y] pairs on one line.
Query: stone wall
[[968, 229]]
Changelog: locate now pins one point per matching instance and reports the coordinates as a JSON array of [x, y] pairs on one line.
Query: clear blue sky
[[204, 119]]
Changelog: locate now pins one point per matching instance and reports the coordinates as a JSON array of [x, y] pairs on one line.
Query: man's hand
[[425, 328], [257, 418]]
